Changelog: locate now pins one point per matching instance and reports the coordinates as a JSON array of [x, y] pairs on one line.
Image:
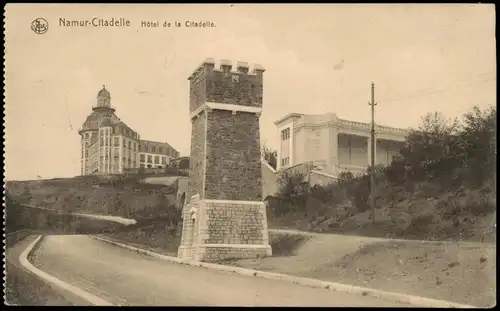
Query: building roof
[[288, 116], [93, 120], [106, 122], [179, 158], [156, 143]]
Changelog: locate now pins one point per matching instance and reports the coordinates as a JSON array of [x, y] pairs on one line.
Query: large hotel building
[[109, 146]]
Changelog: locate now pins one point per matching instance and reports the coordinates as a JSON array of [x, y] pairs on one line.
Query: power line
[[430, 91]]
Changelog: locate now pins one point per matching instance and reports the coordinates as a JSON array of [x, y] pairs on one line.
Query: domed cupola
[[103, 100], [104, 93]]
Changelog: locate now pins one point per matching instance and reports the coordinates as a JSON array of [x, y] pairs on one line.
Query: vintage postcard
[[333, 155]]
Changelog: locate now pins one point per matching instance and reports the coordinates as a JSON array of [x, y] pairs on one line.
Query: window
[[154, 149], [86, 153], [157, 159], [161, 150], [135, 146], [164, 160], [129, 144], [150, 158], [143, 158], [142, 165], [285, 134], [285, 161], [124, 142], [117, 141], [101, 141]]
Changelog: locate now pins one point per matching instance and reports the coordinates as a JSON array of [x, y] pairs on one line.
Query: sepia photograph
[[250, 155]]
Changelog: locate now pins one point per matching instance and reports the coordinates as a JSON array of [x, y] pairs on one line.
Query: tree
[[479, 144], [270, 155], [430, 147], [184, 164]]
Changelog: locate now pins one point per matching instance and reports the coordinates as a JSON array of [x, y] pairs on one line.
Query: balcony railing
[[99, 106]]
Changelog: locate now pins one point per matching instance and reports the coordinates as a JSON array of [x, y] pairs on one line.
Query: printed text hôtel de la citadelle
[[123, 22]]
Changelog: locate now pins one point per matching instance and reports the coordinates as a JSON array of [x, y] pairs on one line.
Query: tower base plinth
[[218, 230]]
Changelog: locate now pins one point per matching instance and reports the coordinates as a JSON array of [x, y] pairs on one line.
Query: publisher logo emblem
[[40, 26]]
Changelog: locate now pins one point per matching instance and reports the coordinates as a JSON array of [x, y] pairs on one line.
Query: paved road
[[34, 291], [126, 278]]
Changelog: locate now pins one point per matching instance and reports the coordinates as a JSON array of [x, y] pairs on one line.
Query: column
[[333, 159]]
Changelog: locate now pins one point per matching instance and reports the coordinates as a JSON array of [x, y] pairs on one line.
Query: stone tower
[[225, 216]]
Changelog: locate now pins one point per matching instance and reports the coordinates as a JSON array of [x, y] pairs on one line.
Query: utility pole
[[372, 164]]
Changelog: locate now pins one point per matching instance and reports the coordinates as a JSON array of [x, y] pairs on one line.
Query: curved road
[[34, 290], [126, 278]]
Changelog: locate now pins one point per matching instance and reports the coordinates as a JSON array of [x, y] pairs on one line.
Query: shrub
[[292, 184]]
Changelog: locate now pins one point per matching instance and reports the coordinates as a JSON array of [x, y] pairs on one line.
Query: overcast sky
[[318, 59]]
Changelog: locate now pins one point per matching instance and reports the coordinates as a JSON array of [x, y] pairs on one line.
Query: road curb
[[314, 283], [23, 258]]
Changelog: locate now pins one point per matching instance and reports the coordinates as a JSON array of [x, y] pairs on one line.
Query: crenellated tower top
[[223, 84]]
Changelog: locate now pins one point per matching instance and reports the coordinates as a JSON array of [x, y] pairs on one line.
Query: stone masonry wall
[[215, 254], [197, 154], [320, 179], [197, 90], [247, 91], [189, 228], [233, 223], [233, 157], [217, 85]]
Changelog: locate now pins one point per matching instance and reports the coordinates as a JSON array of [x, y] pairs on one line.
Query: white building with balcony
[[334, 145]]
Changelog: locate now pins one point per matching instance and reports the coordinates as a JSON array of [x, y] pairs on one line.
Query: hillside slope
[[466, 215], [120, 196], [20, 218]]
